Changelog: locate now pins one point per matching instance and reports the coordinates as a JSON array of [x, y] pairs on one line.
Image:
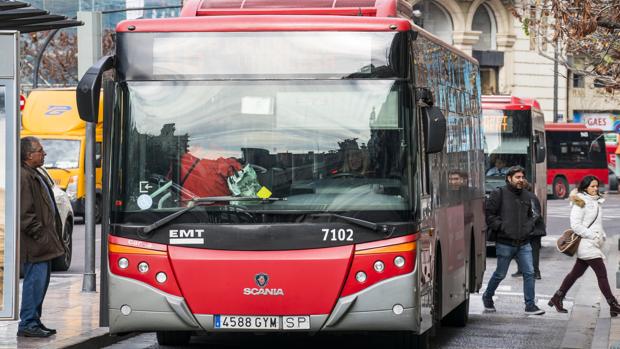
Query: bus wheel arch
[[560, 187]]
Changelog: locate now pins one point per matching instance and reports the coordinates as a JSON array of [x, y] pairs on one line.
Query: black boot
[[614, 307], [556, 301]]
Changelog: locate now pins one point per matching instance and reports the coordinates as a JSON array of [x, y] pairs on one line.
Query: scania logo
[[261, 279]]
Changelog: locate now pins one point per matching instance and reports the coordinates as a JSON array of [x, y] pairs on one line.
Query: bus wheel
[[459, 316], [173, 337], [405, 340], [560, 188]]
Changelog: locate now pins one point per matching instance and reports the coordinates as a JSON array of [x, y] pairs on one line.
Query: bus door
[[425, 217]]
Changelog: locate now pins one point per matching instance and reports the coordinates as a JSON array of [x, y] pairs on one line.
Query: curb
[[97, 338]]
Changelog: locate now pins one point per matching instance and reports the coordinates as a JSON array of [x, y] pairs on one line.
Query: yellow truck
[[52, 116]]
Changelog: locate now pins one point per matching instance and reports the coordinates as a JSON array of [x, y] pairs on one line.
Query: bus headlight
[[72, 187], [123, 263], [379, 266], [143, 267], [360, 277], [161, 277], [399, 261]]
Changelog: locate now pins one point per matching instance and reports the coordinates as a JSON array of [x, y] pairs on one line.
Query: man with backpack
[[510, 221]]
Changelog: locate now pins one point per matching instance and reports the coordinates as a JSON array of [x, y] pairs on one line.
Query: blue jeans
[[36, 281], [523, 255]]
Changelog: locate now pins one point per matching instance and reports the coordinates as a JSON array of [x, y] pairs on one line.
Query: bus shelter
[[16, 17], [9, 181]]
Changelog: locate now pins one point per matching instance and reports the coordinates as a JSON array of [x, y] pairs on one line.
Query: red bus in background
[[574, 151], [514, 134], [611, 154]]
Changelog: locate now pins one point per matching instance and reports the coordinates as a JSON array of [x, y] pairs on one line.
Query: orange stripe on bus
[[113, 248], [406, 247]]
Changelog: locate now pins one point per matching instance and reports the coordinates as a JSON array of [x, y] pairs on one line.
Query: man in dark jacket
[[509, 215], [539, 231], [39, 235]]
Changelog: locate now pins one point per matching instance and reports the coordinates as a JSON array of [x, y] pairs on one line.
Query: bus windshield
[[325, 146], [576, 149], [61, 153], [507, 143]]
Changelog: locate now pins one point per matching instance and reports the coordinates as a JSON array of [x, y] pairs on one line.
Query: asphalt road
[[509, 327]]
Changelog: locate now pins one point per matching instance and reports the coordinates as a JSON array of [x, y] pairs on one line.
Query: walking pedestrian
[[509, 215], [586, 220], [539, 231], [39, 235]]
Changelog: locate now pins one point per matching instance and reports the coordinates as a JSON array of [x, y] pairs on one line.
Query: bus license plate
[[262, 322]]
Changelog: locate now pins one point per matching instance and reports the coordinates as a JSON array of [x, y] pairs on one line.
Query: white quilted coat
[[582, 214]]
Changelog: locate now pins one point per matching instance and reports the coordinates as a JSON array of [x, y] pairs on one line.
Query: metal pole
[[37, 63], [89, 283], [89, 51], [555, 83]]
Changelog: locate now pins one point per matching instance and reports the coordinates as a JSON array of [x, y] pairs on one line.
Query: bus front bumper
[[386, 306]]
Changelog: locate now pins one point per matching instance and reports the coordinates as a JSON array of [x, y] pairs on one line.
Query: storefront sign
[[604, 121]]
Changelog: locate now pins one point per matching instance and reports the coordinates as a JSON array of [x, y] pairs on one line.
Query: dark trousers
[[580, 267], [34, 288]]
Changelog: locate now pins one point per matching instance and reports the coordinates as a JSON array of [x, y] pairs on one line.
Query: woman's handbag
[[568, 242]]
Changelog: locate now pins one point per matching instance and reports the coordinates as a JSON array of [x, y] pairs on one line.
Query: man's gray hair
[[27, 146]]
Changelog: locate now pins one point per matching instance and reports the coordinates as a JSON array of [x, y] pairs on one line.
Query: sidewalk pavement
[[606, 322], [73, 313]]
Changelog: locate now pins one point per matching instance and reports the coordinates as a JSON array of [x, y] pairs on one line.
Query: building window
[[484, 21], [437, 21], [579, 80], [488, 80]]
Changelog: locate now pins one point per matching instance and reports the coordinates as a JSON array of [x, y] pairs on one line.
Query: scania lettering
[[263, 292], [328, 153]]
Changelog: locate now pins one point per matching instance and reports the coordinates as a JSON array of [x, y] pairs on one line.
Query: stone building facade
[[509, 61]]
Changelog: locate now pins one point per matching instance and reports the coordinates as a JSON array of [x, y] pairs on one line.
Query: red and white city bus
[[289, 166], [573, 152], [514, 134]]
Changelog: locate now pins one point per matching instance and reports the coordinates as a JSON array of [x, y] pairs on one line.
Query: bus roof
[[264, 23], [373, 8], [570, 127], [288, 15], [509, 103]]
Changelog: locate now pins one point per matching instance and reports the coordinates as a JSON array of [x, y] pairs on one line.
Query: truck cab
[[51, 115]]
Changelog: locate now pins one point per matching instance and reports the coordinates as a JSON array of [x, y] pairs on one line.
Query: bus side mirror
[[434, 129], [541, 153], [89, 89]]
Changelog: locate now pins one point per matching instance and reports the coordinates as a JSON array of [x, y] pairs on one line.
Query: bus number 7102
[[337, 234]]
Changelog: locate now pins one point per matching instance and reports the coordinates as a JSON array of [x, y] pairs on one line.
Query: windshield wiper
[[200, 201], [386, 229]]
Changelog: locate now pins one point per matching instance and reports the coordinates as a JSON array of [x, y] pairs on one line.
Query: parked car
[[613, 180], [63, 203]]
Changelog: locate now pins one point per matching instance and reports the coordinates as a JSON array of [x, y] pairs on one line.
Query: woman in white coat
[[586, 220]]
